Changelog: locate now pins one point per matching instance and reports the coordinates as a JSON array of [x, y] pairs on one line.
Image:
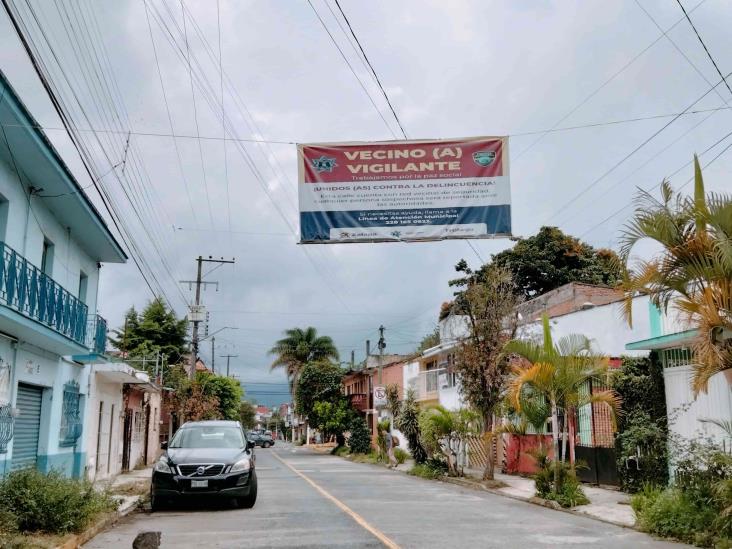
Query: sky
[[451, 69]]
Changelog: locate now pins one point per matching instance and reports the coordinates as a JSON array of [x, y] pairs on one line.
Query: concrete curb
[[127, 506]]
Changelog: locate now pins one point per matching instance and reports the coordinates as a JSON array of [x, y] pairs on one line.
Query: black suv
[[206, 458], [262, 439]]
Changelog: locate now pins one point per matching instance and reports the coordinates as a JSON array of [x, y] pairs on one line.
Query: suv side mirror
[[163, 445], [250, 444]]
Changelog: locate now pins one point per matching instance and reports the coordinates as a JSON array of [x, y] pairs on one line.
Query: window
[[70, 415], [83, 283], [47, 258]]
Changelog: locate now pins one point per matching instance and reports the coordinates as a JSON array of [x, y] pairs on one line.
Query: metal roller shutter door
[[27, 426]]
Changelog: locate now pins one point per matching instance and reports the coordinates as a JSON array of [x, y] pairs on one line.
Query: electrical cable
[[704, 46]]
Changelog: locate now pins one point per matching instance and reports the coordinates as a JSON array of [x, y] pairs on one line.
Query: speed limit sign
[[379, 397]]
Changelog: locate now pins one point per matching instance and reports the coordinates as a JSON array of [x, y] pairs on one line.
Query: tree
[[432, 339], [227, 391], [556, 374], [551, 259], [408, 423], [692, 271], [488, 301], [300, 347], [246, 414], [360, 440], [157, 329], [448, 432], [319, 397]]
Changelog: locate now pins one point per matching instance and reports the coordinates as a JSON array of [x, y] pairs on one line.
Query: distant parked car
[[261, 439], [206, 458]]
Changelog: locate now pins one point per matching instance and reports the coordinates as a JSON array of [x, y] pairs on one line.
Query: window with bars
[[70, 415], [676, 357]]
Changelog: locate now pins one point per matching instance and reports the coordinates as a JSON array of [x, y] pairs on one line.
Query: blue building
[[52, 244]]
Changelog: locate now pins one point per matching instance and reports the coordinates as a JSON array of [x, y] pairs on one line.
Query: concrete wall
[[50, 372], [103, 445], [26, 228]]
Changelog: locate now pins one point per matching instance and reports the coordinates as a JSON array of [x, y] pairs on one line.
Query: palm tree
[[554, 374], [300, 347], [693, 270]]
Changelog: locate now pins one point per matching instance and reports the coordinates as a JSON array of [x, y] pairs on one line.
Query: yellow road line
[[378, 534]]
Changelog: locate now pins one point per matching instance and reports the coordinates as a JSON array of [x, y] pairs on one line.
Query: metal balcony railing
[[27, 290]]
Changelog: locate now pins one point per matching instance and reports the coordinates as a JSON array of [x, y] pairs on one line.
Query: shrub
[[401, 455], [568, 491], [360, 439], [50, 502], [340, 451], [430, 469], [408, 423]]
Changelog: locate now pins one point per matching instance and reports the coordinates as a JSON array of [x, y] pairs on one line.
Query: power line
[[368, 62], [597, 90], [195, 115], [350, 67], [223, 115], [704, 46], [631, 153]]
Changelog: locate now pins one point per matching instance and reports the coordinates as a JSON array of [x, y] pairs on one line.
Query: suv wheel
[[265, 445], [249, 501]]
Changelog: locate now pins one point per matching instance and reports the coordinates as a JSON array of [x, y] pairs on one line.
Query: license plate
[[199, 484]]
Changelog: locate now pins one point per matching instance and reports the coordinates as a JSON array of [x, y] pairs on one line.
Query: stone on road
[[330, 502]]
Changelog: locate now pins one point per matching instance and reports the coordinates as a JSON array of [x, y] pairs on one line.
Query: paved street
[[312, 500]]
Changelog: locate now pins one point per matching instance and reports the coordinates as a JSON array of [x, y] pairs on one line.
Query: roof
[[27, 147], [566, 299], [668, 341]]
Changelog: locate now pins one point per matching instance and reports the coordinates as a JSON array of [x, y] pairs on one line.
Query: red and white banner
[[404, 190]]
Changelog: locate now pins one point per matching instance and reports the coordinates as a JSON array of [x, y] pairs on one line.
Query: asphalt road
[[312, 500]]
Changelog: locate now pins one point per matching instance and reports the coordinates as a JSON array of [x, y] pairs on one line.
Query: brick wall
[[567, 299]]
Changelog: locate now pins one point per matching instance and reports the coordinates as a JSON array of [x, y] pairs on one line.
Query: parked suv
[[261, 439], [206, 458]]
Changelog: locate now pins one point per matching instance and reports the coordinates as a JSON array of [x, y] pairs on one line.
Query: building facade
[[53, 242]]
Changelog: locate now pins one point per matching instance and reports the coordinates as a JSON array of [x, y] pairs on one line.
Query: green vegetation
[[445, 434], [558, 482], [555, 374], [408, 424], [550, 259], [643, 425], [692, 270], [319, 397], [298, 349], [430, 469], [432, 339], [247, 414], [157, 329], [488, 300], [698, 508], [401, 455], [360, 440], [31, 501]]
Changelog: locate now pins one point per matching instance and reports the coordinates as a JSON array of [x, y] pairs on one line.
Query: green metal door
[[27, 426]]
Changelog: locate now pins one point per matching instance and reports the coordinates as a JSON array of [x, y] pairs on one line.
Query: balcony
[[36, 296], [359, 401], [426, 385]]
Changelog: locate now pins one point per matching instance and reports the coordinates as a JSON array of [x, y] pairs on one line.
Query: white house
[[52, 244]]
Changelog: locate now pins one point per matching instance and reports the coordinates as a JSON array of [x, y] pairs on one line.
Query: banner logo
[[484, 158], [323, 164]]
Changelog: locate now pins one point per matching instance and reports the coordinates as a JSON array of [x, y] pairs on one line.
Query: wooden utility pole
[[213, 354], [228, 358]]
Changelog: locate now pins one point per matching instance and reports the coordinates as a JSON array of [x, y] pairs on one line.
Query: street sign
[[379, 397]]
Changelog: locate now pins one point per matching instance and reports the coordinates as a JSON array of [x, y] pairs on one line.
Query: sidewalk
[[607, 505], [126, 487]]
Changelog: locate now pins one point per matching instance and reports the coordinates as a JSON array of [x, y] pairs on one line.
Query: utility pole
[[228, 357], [382, 346], [196, 315], [213, 354]]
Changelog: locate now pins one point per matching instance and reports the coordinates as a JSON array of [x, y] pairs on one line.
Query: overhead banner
[[404, 190]]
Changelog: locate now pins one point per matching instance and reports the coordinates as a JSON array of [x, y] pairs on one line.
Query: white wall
[[604, 325], [453, 328], [110, 394], [684, 411], [26, 229]]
